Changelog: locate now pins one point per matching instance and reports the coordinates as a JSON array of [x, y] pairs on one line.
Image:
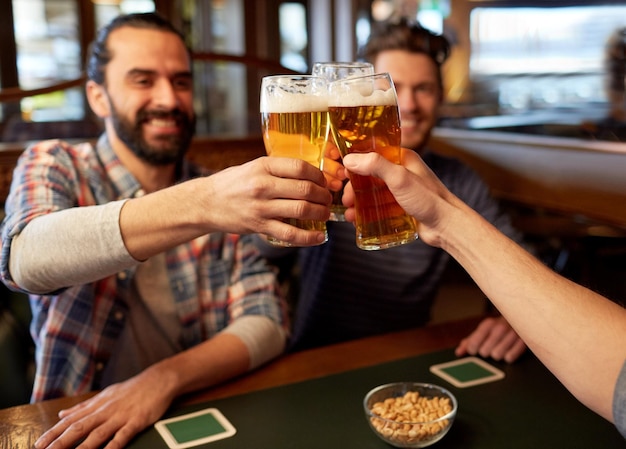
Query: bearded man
[[139, 282]]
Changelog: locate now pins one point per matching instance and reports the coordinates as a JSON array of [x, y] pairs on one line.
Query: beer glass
[[364, 117], [294, 122], [334, 70]]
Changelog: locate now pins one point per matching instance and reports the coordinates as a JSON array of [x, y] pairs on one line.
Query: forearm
[[241, 199], [557, 318], [164, 219], [86, 246], [224, 356]]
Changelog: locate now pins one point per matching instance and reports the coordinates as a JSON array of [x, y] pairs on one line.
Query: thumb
[[372, 164]]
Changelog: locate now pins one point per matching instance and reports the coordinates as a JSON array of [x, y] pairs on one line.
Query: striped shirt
[[214, 279]]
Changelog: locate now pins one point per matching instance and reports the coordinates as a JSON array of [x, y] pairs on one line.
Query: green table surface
[[529, 408]]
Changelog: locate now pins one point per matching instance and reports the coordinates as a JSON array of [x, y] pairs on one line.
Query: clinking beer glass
[[364, 117], [294, 122], [334, 70]]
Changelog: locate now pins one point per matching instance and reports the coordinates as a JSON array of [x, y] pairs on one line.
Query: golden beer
[[360, 128], [294, 123], [299, 135]]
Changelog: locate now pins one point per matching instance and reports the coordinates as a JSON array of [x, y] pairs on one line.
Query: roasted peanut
[[407, 411]]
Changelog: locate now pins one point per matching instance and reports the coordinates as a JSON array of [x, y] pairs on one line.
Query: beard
[[169, 149]]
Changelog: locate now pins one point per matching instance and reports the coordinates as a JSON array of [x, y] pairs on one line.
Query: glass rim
[[295, 76], [343, 64], [276, 88], [356, 78]]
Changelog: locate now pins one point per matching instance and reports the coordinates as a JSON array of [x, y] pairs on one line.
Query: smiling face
[[415, 76], [147, 99]]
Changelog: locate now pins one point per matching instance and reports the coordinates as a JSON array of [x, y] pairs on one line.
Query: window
[[293, 36], [48, 52], [217, 26], [543, 57], [107, 10], [46, 35]]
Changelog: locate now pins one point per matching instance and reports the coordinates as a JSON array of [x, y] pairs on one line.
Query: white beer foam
[[363, 94], [281, 101]]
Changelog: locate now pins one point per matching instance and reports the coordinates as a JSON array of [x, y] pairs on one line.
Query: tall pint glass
[[294, 122], [332, 71], [364, 117]]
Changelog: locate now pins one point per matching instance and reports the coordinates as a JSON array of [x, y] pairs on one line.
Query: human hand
[[494, 337], [111, 418], [254, 197], [334, 171], [413, 184]]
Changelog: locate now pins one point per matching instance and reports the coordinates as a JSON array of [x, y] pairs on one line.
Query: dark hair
[[99, 54], [406, 35]]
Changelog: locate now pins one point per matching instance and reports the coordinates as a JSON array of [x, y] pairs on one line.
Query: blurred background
[[510, 57]]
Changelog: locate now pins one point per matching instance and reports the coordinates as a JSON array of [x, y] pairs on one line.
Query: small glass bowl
[[410, 414]]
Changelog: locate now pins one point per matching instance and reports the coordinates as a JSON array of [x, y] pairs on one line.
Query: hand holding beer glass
[[333, 71], [294, 122], [364, 117]]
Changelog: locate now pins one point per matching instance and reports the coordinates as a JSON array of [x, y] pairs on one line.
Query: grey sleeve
[[69, 247], [264, 338], [619, 402]]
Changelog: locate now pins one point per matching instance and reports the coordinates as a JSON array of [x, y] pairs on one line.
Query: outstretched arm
[[243, 199], [570, 328], [94, 242]]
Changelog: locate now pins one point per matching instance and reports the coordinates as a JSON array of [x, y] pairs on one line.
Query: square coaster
[[192, 429], [467, 372]]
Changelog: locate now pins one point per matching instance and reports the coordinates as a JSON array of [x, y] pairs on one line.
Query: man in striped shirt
[[345, 293]]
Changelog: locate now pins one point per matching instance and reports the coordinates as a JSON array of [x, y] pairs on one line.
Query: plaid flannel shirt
[[215, 278]]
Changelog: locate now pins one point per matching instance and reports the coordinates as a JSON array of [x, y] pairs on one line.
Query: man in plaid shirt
[[136, 286]]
